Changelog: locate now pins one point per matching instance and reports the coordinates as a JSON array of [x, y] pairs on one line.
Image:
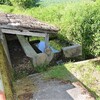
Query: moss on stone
[[4, 69]]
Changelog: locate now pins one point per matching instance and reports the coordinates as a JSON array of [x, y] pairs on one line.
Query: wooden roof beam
[[25, 33], [29, 51]]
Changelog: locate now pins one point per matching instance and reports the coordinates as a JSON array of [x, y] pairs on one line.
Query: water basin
[[41, 47]]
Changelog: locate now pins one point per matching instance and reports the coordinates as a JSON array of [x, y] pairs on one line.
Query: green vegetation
[[74, 72], [19, 3], [51, 2], [19, 74], [23, 3], [7, 2], [78, 22], [29, 3], [58, 44], [5, 72]]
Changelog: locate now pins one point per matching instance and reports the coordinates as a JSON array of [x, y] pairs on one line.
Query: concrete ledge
[[2, 93], [72, 51], [40, 59], [6, 87]]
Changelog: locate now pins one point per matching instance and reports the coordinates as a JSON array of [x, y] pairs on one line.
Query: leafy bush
[[23, 3], [6, 9], [90, 30], [86, 29]]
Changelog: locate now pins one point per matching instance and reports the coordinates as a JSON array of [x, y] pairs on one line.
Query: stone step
[[79, 92]]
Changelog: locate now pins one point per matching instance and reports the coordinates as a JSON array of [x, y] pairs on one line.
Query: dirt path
[[34, 87]]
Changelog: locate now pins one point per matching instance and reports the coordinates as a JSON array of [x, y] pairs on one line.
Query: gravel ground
[[20, 62]]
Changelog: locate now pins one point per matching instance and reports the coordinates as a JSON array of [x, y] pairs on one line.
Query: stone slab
[[79, 92], [53, 90], [72, 51]]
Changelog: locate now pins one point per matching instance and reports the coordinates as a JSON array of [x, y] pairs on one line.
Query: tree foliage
[[23, 3], [7, 2], [78, 22], [20, 3]]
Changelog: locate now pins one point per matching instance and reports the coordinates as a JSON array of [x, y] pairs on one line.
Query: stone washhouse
[[23, 26]]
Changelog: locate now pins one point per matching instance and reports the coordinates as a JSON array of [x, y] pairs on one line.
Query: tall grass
[[51, 2]]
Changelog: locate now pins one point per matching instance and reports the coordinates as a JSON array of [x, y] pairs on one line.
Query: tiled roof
[[26, 22]]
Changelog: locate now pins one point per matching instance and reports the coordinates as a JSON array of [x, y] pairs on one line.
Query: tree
[[23, 3], [7, 2]]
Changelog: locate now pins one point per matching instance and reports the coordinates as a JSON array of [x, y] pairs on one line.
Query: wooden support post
[[46, 41], [5, 46], [24, 33], [38, 59], [29, 51]]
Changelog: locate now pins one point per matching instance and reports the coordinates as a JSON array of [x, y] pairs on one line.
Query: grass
[[78, 22], [55, 43], [51, 2], [58, 44], [18, 75], [88, 73], [65, 16], [59, 72]]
